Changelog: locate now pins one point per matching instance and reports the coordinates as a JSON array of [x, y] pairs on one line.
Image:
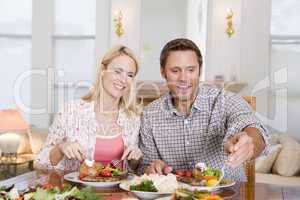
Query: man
[[192, 124]]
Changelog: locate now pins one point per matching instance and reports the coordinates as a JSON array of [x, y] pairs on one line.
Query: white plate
[[73, 177], [165, 198], [144, 195], [210, 189]]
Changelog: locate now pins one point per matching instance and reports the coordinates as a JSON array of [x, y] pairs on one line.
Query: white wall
[[197, 27], [102, 40], [255, 53], [222, 53], [244, 55], [161, 21], [131, 21]]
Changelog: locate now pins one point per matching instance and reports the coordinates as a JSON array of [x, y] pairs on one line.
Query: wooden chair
[[250, 166]]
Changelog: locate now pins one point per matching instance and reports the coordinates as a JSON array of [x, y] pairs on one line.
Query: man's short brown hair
[[180, 44]]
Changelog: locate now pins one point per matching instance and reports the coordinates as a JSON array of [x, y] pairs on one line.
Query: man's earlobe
[[162, 72], [200, 71]]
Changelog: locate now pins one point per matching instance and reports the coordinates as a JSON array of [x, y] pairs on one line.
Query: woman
[[103, 125]]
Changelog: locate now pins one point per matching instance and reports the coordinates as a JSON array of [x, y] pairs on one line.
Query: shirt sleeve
[[57, 132], [133, 136], [239, 116], [147, 144]]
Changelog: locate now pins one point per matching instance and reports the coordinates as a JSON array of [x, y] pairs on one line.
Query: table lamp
[[10, 121]]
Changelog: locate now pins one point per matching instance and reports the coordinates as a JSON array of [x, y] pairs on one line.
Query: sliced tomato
[[106, 172], [82, 175], [180, 172], [83, 171], [47, 186], [188, 173]]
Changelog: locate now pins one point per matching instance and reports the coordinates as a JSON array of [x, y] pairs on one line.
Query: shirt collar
[[199, 104], [170, 106]]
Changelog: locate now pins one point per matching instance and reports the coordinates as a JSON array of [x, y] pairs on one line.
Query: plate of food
[[185, 194], [151, 186], [48, 192], [95, 174], [203, 177]]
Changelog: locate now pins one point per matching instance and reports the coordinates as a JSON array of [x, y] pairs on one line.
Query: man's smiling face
[[182, 72]]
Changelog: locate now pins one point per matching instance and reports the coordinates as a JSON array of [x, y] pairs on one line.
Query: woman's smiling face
[[118, 76]]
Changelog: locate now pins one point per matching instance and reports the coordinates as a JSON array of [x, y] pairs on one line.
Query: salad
[[185, 194], [154, 183], [48, 192], [201, 175], [97, 172], [144, 186]]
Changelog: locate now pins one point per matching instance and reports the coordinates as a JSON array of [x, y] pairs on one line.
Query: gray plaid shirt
[[182, 141]]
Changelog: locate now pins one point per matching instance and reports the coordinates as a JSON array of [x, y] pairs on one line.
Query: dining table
[[240, 191]]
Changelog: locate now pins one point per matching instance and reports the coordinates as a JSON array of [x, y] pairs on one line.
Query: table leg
[[30, 165], [14, 170], [7, 171], [11, 171]]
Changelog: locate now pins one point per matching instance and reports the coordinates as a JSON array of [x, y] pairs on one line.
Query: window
[[74, 47], [15, 50], [70, 48], [285, 53]]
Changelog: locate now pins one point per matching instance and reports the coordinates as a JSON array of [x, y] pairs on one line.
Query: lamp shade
[[11, 119], [9, 142]]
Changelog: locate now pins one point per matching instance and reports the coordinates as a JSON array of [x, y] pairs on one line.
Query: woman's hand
[[72, 150], [132, 152]]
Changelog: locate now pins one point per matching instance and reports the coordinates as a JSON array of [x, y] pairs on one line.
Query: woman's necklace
[[107, 124]]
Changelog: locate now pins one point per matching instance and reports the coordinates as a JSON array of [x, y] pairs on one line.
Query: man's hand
[[240, 148], [159, 167], [132, 153]]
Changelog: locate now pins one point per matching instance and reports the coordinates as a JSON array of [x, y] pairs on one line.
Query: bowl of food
[[151, 186]]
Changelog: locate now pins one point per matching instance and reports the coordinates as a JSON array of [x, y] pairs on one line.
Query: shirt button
[[186, 121], [187, 142]]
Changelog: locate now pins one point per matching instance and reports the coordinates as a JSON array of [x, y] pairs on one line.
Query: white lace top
[[76, 122]]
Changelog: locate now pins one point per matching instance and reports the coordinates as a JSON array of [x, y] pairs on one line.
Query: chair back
[[250, 166]]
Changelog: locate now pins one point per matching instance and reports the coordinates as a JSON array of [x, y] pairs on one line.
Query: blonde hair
[[127, 101]]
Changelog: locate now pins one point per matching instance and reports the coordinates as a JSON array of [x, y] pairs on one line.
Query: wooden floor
[[276, 192]]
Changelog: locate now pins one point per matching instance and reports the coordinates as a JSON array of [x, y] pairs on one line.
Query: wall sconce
[[118, 23], [229, 16]]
